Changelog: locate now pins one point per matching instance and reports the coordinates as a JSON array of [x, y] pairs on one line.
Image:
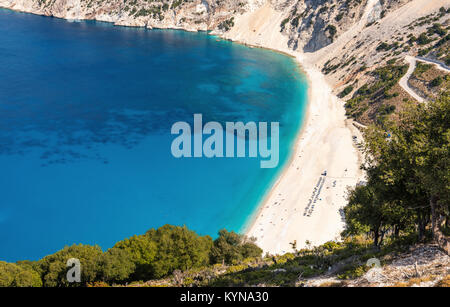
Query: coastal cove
[[210, 145], [86, 110]]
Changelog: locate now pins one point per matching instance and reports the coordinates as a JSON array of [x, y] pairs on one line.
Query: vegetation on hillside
[[404, 201], [430, 81], [407, 166], [434, 42], [156, 254], [345, 262], [371, 99], [226, 25]]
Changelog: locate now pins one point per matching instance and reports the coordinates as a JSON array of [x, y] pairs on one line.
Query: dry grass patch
[[429, 81], [445, 282], [417, 281], [332, 284]]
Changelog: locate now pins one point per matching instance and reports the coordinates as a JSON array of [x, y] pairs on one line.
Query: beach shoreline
[[277, 221], [252, 218], [280, 218]]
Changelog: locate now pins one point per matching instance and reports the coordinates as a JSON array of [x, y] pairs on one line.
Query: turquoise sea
[[85, 115]]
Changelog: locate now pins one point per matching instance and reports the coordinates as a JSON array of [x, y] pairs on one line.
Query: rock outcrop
[[310, 24]]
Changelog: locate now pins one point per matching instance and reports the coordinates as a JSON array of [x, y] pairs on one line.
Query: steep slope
[[179, 14], [351, 63], [330, 265]]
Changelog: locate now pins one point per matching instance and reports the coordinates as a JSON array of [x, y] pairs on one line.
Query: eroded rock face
[[310, 24], [184, 14], [319, 37]]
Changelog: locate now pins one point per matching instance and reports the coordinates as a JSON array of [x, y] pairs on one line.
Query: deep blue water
[[85, 116]]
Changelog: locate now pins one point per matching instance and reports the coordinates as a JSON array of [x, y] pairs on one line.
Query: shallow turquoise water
[[85, 115]]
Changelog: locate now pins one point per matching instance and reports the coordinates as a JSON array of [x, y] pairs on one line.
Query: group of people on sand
[[314, 197]]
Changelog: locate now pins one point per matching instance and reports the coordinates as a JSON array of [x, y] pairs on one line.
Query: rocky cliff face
[[314, 24], [191, 15], [310, 24]]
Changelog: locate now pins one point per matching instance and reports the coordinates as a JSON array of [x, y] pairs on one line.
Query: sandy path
[[439, 65], [412, 61]]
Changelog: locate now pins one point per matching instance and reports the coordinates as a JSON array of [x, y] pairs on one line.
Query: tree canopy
[[407, 165], [231, 247], [155, 254], [16, 275]]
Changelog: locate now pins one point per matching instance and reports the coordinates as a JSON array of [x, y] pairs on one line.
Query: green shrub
[[283, 23], [231, 247], [331, 30], [423, 39], [227, 24], [346, 91], [53, 268], [437, 81], [14, 275]]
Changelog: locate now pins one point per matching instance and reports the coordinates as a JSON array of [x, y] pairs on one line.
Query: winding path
[[343, 39], [412, 61], [439, 64]]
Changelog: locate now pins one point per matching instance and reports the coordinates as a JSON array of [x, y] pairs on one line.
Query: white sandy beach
[[304, 205], [300, 207]]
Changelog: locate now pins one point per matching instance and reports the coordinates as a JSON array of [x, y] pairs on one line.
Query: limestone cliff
[[310, 24], [191, 15]]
